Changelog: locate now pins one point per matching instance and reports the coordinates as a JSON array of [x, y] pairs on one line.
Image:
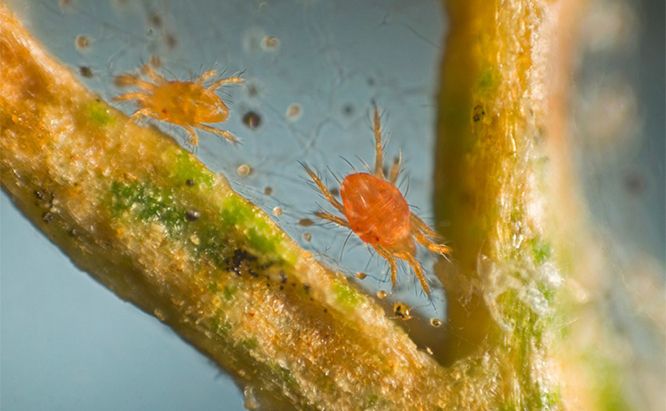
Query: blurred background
[[313, 69]]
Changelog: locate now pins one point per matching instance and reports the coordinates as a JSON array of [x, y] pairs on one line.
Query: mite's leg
[[193, 138], [391, 260], [136, 116], [330, 217], [149, 71], [395, 169], [207, 75], [436, 248], [130, 80], [418, 270], [320, 185], [379, 153], [140, 96], [222, 133], [226, 81], [423, 227]]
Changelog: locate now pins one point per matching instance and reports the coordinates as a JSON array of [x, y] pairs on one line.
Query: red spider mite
[[377, 212], [187, 104]]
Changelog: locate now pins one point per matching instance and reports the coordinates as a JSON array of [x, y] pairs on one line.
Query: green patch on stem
[[541, 250], [243, 217], [215, 245], [345, 295], [525, 342], [249, 344], [220, 326], [488, 79], [229, 291], [285, 377], [187, 169], [98, 113], [148, 203]]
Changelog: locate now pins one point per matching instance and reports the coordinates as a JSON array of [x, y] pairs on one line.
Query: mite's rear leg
[[391, 260], [436, 248], [395, 169], [138, 95], [149, 71], [222, 133], [423, 227], [330, 217], [324, 190], [131, 80], [379, 152], [206, 75], [137, 115], [418, 270], [226, 81], [193, 138]]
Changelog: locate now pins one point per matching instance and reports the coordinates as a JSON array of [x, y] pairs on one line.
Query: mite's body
[[188, 104]]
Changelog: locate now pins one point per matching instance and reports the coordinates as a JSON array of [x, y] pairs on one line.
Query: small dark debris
[[479, 113], [306, 288], [240, 263], [634, 183], [39, 194], [281, 287], [252, 90], [305, 222], [268, 190], [171, 41], [47, 217], [334, 191], [82, 42], [348, 109], [192, 215], [189, 182], [283, 278], [155, 20], [252, 120], [86, 71]]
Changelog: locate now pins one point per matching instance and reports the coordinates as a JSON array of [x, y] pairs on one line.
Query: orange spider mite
[[378, 213], [188, 104]]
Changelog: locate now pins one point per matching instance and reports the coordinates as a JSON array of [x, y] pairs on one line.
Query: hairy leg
[[226, 81], [193, 138], [222, 133], [331, 217], [207, 75], [391, 260], [139, 95], [395, 169], [423, 227], [144, 112], [320, 185], [418, 270], [149, 71], [131, 80], [379, 153], [436, 248]]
